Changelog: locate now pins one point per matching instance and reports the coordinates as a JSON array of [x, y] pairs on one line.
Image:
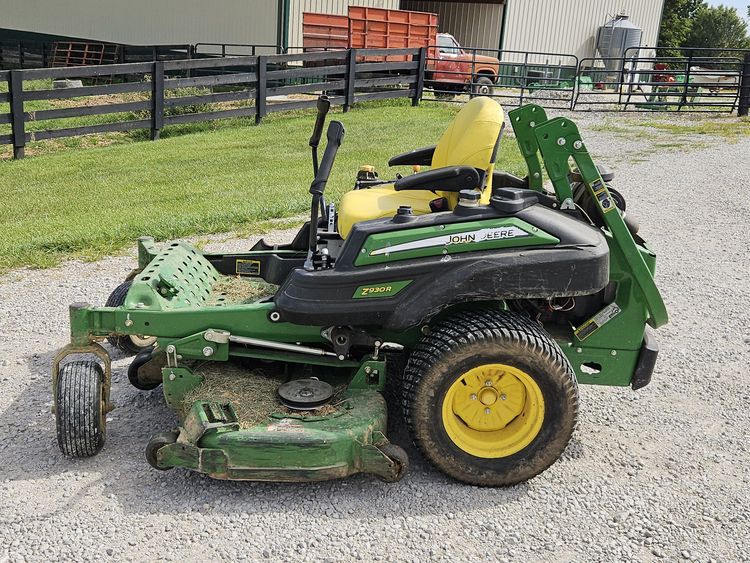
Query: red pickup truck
[[453, 69], [450, 68]]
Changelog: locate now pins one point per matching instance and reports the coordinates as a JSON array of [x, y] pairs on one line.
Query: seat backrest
[[470, 139]]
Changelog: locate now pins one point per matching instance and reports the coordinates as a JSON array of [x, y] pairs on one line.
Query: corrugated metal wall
[[147, 22], [471, 23], [297, 7], [567, 26]]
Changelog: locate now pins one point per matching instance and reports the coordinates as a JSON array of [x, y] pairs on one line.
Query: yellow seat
[[469, 141]]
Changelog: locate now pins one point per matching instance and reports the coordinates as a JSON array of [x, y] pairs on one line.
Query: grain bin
[[614, 38]]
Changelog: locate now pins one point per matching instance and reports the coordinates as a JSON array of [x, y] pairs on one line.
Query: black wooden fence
[[152, 95], [156, 94]]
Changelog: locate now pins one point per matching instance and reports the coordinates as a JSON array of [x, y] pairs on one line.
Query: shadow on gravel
[[120, 474]]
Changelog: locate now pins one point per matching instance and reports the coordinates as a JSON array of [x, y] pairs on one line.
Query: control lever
[[335, 136], [324, 104]]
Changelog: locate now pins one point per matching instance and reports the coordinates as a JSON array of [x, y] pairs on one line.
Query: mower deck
[[285, 447]]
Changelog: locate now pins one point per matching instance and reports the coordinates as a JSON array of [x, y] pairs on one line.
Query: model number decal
[[380, 290], [376, 289]]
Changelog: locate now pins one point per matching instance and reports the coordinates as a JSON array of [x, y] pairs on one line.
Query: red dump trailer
[[450, 68], [369, 28]]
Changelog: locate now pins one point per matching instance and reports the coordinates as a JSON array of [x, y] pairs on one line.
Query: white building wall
[[340, 7], [147, 22], [570, 26], [471, 23]]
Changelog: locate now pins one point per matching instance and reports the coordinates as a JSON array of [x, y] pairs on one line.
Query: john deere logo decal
[[468, 237]]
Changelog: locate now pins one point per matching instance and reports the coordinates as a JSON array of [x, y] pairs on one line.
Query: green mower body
[[350, 313]]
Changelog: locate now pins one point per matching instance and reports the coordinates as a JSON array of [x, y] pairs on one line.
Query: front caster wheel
[[132, 343], [155, 444], [400, 458], [134, 374], [80, 409], [490, 398]]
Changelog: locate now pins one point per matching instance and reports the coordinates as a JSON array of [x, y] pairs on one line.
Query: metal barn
[[169, 22], [560, 26], [553, 26]]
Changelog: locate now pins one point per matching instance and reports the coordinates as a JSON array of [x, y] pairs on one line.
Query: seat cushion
[[376, 203]]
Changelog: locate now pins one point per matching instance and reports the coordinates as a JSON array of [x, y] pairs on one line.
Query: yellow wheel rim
[[493, 411]]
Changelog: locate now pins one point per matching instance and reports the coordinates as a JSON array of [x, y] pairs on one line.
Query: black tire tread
[[78, 408], [116, 299], [469, 328]]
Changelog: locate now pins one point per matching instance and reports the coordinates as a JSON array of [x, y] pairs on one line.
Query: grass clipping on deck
[[252, 393], [238, 290]]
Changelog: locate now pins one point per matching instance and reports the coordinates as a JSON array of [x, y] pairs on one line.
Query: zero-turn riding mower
[[476, 300]]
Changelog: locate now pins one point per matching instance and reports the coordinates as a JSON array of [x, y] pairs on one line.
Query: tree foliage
[[719, 28], [676, 24]]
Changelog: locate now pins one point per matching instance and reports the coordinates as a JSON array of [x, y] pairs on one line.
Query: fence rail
[[152, 95]]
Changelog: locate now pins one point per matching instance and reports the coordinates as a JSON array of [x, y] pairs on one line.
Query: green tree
[[719, 28], [676, 23]]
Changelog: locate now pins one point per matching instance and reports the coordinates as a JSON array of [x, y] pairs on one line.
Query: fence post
[[419, 84], [744, 103], [260, 91], [688, 64], [17, 120], [351, 79], [157, 100]]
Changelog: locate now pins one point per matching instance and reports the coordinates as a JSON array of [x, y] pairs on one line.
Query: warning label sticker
[[597, 321], [248, 267], [605, 202]]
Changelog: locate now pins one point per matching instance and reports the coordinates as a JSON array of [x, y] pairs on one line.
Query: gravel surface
[[658, 474]]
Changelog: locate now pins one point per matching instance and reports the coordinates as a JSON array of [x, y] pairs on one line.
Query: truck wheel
[[490, 398], [130, 344], [79, 408], [483, 86]]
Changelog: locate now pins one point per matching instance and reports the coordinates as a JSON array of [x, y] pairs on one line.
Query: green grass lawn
[[90, 202]]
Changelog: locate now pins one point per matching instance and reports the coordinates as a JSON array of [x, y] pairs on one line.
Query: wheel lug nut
[[503, 397], [473, 397], [487, 411], [488, 383]]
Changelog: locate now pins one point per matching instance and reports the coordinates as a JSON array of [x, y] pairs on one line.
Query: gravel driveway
[[661, 473]]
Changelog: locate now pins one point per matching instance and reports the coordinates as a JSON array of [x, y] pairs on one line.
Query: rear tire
[[505, 376], [130, 344], [79, 408]]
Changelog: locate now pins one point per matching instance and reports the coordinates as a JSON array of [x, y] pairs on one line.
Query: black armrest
[[421, 157], [448, 179]]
